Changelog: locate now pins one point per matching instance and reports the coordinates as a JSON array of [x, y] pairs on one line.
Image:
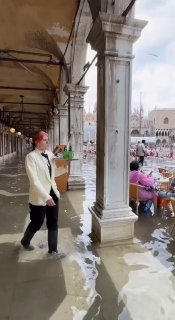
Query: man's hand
[[50, 202]]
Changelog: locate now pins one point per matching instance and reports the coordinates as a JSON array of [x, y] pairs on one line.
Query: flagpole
[[140, 120]]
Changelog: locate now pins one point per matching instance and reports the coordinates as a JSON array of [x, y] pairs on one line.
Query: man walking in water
[[141, 151]]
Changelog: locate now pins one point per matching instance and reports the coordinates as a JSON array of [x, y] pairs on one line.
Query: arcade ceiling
[[33, 39]]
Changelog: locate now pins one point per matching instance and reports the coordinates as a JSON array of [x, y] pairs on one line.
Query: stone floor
[[125, 282]]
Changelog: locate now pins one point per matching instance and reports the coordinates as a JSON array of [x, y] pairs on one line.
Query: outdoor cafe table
[[162, 183], [162, 180]]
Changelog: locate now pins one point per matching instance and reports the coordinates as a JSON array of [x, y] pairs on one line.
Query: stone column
[[56, 130], [50, 135], [63, 124], [112, 37], [76, 96]]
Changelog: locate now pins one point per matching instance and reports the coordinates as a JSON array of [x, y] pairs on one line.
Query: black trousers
[[141, 160], [38, 213]]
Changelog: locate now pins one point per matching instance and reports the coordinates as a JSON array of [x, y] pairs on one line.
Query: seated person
[[168, 193], [164, 198], [149, 193]]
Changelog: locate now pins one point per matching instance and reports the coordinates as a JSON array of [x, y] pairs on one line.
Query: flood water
[[133, 281], [149, 265]]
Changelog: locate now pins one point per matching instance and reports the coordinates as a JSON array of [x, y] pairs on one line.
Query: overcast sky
[[154, 63]]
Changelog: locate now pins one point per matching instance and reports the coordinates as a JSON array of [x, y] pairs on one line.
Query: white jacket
[[39, 177]]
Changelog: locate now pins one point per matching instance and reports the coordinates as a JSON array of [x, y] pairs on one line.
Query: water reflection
[[150, 286], [150, 272], [123, 282], [88, 262]]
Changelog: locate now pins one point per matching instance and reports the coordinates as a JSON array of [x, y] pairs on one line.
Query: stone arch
[[166, 120], [158, 141], [79, 47], [135, 133]]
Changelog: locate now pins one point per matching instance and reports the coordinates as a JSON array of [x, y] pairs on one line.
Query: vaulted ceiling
[[33, 38]]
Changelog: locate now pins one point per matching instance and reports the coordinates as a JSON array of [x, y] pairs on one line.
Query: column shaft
[[63, 124], [112, 37], [76, 96]]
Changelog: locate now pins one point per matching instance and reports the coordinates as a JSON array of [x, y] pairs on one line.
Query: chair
[[134, 195], [168, 175], [163, 203], [165, 186], [161, 170], [62, 174]]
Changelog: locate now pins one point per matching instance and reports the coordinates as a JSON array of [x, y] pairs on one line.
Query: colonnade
[[112, 36], [10, 143]]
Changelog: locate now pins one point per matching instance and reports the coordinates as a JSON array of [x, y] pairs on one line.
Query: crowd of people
[[152, 150]]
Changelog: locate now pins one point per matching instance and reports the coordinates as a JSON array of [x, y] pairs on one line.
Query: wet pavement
[[125, 282]]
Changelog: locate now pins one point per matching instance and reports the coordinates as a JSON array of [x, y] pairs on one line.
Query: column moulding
[[112, 37], [63, 122], [76, 95]]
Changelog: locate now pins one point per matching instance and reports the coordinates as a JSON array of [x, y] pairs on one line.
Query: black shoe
[[27, 247], [25, 241], [57, 254]]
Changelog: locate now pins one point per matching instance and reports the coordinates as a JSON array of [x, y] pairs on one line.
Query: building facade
[[164, 124], [141, 125], [90, 125], [159, 123]]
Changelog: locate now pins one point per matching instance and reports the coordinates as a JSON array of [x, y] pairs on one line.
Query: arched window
[[158, 141], [166, 120], [134, 133]]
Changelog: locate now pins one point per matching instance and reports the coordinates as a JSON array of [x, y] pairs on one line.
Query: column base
[[113, 230], [76, 183]]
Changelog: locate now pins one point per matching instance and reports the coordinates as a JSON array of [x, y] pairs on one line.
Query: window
[[166, 121]]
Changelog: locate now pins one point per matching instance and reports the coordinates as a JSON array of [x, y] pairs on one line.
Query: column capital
[[75, 90], [109, 32], [63, 111], [55, 116], [115, 7]]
